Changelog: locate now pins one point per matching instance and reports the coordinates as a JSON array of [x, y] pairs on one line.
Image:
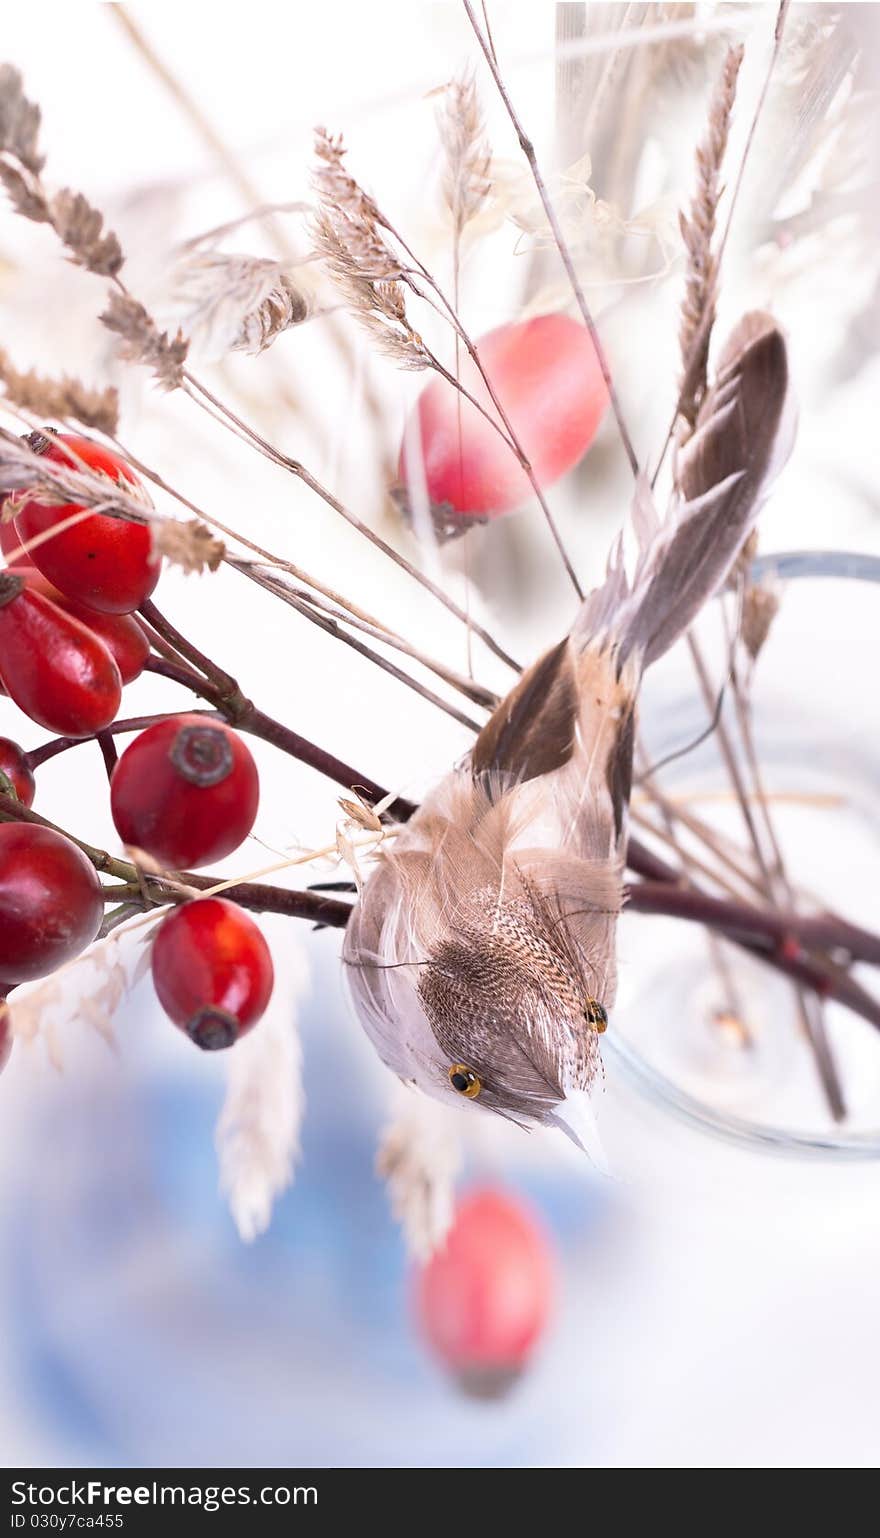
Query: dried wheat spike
[[698, 230], [348, 231], [143, 342], [60, 400], [467, 181]]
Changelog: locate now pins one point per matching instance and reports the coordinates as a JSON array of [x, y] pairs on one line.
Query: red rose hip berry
[[484, 1298], [102, 561], [212, 971], [547, 376], [186, 790], [124, 638], [56, 671], [51, 903], [14, 764]]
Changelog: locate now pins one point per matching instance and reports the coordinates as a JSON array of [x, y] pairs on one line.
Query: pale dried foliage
[[467, 179], [78, 225], [60, 400], [90, 988], [418, 1158], [187, 543], [143, 342], [698, 231], [227, 303], [349, 235], [257, 1134]]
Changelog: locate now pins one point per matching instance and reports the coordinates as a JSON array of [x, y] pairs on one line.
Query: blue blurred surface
[[145, 1332]]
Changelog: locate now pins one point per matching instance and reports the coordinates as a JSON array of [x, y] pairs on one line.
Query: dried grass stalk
[[60, 400], [698, 230], [468, 156], [419, 1158], [143, 342], [90, 988], [348, 231], [258, 1131]]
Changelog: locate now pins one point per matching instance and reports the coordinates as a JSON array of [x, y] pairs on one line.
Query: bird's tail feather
[[742, 438]]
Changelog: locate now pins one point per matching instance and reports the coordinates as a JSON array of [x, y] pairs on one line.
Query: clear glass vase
[[671, 1048]]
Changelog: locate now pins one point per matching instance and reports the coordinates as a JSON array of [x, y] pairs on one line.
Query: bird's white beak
[[576, 1117]]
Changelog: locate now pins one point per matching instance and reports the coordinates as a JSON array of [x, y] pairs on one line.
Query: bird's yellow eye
[[465, 1081], [596, 1015]]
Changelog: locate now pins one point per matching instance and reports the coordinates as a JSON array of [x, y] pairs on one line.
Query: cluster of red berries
[[185, 791]]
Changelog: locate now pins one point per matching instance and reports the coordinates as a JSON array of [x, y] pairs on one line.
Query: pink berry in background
[[483, 1301], [547, 377]]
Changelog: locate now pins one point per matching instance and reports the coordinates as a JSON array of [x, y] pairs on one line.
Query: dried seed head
[[760, 607], [62, 399], [697, 232], [81, 228], [25, 194], [349, 234], [19, 121], [188, 544], [143, 342], [466, 180], [226, 303]]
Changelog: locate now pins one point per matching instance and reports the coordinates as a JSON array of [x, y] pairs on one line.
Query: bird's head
[[502, 1005]]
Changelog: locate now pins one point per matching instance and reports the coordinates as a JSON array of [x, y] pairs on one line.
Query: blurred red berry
[[186, 790], [5, 1035], [484, 1299], [56, 671], [14, 764], [547, 376], [123, 637], [51, 903], [212, 971], [103, 562]]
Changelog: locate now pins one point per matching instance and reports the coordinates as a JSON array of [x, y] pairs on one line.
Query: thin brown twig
[[809, 1008], [529, 151], [503, 426], [294, 467], [755, 930], [354, 614]]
